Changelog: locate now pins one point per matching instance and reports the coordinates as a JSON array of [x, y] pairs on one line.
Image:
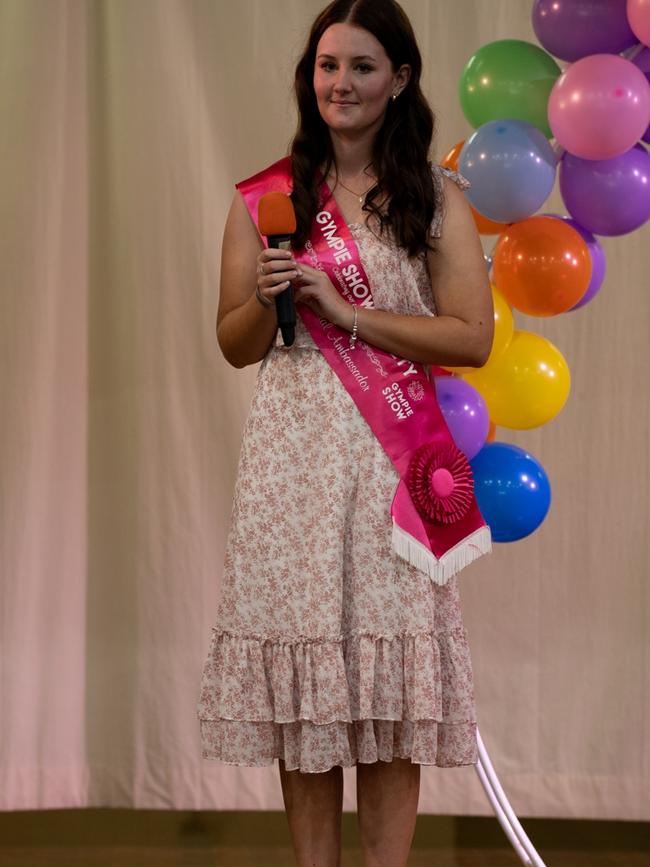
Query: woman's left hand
[[315, 289]]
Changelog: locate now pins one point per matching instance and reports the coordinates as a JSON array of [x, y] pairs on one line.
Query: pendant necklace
[[359, 197]]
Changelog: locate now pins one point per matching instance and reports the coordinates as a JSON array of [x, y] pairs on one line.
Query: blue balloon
[[511, 167], [512, 490]]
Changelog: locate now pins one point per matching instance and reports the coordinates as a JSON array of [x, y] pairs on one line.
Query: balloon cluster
[[532, 120]]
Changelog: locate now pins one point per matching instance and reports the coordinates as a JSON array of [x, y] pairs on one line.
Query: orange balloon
[[541, 265], [483, 224], [450, 159], [492, 432]]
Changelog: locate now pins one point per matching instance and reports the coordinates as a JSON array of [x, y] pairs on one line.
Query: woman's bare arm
[[462, 331], [459, 335], [246, 329]]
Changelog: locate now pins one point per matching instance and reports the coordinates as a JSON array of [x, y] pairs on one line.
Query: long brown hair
[[400, 155]]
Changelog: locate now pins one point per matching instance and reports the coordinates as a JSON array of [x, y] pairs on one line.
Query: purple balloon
[[571, 29], [642, 60], [598, 263], [607, 197], [465, 413]]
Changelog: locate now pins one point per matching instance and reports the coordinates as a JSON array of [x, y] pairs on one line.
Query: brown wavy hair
[[400, 155]]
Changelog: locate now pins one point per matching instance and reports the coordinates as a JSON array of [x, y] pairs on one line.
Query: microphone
[[276, 219]]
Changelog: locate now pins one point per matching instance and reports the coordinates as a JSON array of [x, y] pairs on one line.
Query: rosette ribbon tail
[[440, 570]]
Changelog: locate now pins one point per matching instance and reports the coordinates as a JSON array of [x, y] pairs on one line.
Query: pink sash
[[437, 525]]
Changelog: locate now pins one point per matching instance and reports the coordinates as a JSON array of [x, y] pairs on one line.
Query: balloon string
[[558, 149], [631, 53]]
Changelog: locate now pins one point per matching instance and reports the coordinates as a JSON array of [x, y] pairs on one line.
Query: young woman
[[339, 638]]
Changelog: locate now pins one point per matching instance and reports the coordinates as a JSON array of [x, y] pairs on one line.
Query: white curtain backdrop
[[123, 127]]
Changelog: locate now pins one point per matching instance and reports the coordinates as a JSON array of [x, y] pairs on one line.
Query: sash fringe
[[440, 571]]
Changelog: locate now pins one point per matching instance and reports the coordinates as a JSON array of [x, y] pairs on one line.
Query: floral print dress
[[327, 648]]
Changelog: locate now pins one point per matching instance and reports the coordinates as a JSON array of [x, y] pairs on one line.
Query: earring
[[395, 95]]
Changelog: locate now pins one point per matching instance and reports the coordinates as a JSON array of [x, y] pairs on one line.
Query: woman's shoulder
[[439, 173]]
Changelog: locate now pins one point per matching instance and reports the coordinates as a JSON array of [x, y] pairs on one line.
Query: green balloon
[[508, 78]]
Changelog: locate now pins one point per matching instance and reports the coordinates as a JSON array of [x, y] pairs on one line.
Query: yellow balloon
[[504, 326], [527, 385]]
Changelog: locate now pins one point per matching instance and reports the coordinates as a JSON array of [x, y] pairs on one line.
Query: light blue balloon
[[511, 167]]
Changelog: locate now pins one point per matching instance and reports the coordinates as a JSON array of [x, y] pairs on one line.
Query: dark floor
[[142, 856], [160, 838]]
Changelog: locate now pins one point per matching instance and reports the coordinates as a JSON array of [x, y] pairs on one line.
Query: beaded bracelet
[[353, 336]]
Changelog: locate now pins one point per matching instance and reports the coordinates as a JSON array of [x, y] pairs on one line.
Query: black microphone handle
[[285, 307], [286, 313]]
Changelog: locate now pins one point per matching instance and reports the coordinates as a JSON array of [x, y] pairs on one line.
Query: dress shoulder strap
[[460, 180]]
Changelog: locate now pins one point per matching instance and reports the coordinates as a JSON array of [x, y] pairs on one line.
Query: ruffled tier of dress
[[316, 703]]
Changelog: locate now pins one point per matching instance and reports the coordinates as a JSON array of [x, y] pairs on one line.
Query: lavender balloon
[[511, 167], [465, 413], [608, 197], [571, 29]]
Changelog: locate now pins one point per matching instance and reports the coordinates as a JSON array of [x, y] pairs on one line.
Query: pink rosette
[[439, 480]]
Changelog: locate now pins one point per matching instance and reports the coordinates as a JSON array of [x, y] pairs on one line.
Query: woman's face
[[354, 79]]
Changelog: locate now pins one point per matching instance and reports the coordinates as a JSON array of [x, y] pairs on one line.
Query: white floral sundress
[[328, 649]]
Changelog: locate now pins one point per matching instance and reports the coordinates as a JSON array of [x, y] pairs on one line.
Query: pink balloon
[[599, 107], [638, 14], [642, 60]]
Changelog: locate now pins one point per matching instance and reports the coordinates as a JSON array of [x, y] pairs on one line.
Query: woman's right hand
[[246, 326], [275, 270]]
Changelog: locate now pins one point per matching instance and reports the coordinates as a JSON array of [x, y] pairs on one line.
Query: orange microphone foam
[[276, 215]]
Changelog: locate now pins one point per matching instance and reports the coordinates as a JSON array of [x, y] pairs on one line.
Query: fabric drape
[[124, 128]]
